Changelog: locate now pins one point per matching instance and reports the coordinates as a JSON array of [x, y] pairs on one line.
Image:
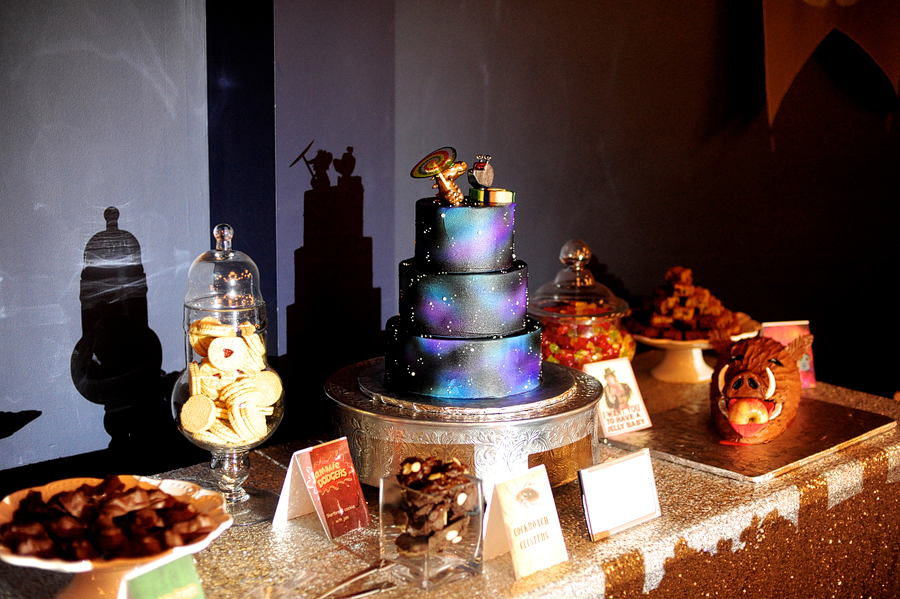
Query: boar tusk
[[775, 412], [723, 406], [722, 378], [770, 391]]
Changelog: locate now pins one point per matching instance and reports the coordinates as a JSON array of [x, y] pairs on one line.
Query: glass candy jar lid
[[574, 292], [223, 278]]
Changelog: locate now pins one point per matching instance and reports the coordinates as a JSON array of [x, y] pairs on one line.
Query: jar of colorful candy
[[582, 318]]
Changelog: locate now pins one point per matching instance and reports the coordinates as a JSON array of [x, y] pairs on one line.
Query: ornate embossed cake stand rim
[[554, 425]]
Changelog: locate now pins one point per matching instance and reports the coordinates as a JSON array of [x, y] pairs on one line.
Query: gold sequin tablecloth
[[827, 529]]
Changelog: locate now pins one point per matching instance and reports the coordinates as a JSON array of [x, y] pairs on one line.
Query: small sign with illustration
[[322, 479], [523, 520], [787, 331], [622, 408]]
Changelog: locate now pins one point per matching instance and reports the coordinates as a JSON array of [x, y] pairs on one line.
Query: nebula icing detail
[[464, 304], [464, 238], [463, 368]]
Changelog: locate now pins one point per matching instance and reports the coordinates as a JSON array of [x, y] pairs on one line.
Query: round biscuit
[[225, 430], [255, 344], [247, 420], [245, 395], [256, 419], [250, 365], [202, 332], [247, 328], [198, 413], [209, 438], [194, 378], [212, 329], [227, 353], [206, 320], [212, 384], [200, 344], [269, 385], [237, 386]]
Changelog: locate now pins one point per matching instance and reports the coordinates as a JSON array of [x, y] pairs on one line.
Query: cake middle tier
[[463, 368], [465, 305]]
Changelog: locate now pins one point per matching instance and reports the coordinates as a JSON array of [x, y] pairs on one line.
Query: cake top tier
[[460, 234], [466, 238]]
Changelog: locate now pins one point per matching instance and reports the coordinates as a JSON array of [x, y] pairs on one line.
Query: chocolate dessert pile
[[102, 521], [682, 311]]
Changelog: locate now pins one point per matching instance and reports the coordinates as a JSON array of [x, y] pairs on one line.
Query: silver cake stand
[[555, 425]]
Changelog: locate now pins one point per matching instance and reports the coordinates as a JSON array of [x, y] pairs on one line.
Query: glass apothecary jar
[[582, 318], [228, 400]]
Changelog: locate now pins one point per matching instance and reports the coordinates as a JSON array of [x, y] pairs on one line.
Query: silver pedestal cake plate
[[555, 425]]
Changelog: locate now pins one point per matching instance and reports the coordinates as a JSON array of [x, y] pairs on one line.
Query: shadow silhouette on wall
[[117, 362], [12, 422], [335, 319]]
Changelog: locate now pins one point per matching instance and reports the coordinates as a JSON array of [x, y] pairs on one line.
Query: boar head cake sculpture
[[755, 389]]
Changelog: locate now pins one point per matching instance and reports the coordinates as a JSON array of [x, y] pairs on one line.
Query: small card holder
[[787, 331], [619, 494], [323, 479], [621, 408], [522, 519]]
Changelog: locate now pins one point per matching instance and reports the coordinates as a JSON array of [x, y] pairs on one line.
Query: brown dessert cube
[[660, 321], [682, 289], [714, 306], [682, 313], [668, 304], [679, 274]]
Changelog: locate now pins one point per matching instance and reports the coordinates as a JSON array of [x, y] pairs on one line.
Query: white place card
[[619, 494], [523, 520], [622, 408]]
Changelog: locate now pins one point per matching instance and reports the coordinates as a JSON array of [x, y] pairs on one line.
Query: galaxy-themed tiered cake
[[462, 331]]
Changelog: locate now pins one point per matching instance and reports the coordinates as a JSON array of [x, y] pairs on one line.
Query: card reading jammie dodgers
[[622, 408], [523, 520], [322, 478]]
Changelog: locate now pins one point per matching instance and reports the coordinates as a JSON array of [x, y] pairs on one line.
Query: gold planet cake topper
[[441, 166]]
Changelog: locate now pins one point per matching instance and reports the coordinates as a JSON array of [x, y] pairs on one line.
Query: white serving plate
[[103, 578], [683, 361]]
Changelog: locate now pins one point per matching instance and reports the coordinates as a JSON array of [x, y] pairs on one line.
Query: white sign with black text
[[619, 494]]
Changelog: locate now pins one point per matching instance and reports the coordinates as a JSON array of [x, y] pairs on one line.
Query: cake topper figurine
[[481, 175], [755, 390], [441, 166]]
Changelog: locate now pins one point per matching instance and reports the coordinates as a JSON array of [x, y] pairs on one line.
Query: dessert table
[[830, 528]]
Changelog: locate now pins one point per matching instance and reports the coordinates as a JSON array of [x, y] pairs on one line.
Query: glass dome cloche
[[228, 400], [582, 318]]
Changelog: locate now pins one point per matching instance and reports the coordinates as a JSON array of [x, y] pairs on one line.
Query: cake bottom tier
[[463, 368]]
